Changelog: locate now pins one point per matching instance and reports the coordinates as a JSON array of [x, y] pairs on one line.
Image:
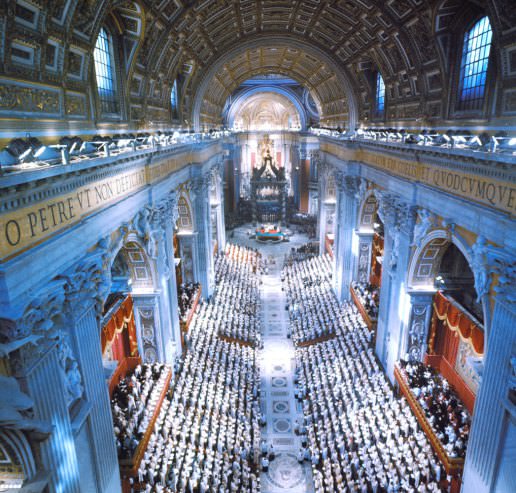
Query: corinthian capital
[[501, 262], [199, 187], [387, 204], [90, 278], [350, 185]]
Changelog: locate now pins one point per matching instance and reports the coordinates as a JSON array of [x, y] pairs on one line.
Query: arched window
[[104, 71], [473, 68], [380, 95], [173, 99]]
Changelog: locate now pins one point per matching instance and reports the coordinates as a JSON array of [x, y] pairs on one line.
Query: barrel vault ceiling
[[331, 47]]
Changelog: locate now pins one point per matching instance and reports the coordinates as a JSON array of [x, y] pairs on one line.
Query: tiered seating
[[133, 404], [301, 253], [310, 307], [207, 436], [448, 417], [186, 295], [359, 436], [237, 283], [369, 297]]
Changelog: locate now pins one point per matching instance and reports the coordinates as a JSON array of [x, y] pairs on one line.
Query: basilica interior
[[257, 246]]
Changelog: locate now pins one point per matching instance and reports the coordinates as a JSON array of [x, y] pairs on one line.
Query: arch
[[367, 213], [130, 21], [241, 99], [185, 218], [426, 259], [16, 453], [141, 271], [278, 42]]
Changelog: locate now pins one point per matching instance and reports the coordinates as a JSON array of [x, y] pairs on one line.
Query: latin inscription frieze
[[498, 194]]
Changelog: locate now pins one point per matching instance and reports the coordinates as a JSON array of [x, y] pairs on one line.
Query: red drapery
[[112, 332], [375, 277], [458, 321]]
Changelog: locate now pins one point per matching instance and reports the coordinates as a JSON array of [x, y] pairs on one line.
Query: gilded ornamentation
[[28, 99], [75, 105]]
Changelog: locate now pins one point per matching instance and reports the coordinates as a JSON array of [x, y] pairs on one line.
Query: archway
[[367, 279], [329, 84], [446, 339], [328, 215], [130, 324], [184, 232], [17, 464], [246, 111]]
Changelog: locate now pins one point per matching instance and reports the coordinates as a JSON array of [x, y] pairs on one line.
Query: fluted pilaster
[[345, 224], [46, 387], [493, 408], [203, 255], [87, 335]]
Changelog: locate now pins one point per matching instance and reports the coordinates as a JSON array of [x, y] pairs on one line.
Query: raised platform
[[129, 467], [453, 465], [370, 321], [270, 235]]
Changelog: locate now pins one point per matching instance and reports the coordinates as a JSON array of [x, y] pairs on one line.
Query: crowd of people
[[312, 310], [449, 419], [133, 403], [359, 436], [237, 282], [306, 223], [186, 295], [304, 252], [369, 297], [207, 435]]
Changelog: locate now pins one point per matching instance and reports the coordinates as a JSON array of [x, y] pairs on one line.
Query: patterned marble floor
[[285, 474]]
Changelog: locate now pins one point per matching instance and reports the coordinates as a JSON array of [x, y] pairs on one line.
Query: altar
[[271, 234], [269, 193]]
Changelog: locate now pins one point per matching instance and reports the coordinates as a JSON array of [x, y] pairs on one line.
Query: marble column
[[490, 458], [365, 250], [203, 254], [395, 302], [345, 224]]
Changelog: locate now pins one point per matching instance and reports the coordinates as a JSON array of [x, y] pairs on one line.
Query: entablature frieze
[[33, 210], [483, 178]]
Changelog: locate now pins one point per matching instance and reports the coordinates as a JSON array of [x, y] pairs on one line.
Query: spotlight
[[47, 153]]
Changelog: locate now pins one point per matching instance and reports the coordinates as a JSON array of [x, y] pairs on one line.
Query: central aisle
[[278, 401]]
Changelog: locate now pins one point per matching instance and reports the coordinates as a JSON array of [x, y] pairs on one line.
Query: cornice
[[29, 187]]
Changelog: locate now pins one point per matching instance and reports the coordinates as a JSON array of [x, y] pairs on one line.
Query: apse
[[266, 111]]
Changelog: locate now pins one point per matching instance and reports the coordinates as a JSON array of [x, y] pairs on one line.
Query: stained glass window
[[473, 69], [105, 73], [380, 95]]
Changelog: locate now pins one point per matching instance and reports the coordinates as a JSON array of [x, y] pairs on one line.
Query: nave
[[278, 390]]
